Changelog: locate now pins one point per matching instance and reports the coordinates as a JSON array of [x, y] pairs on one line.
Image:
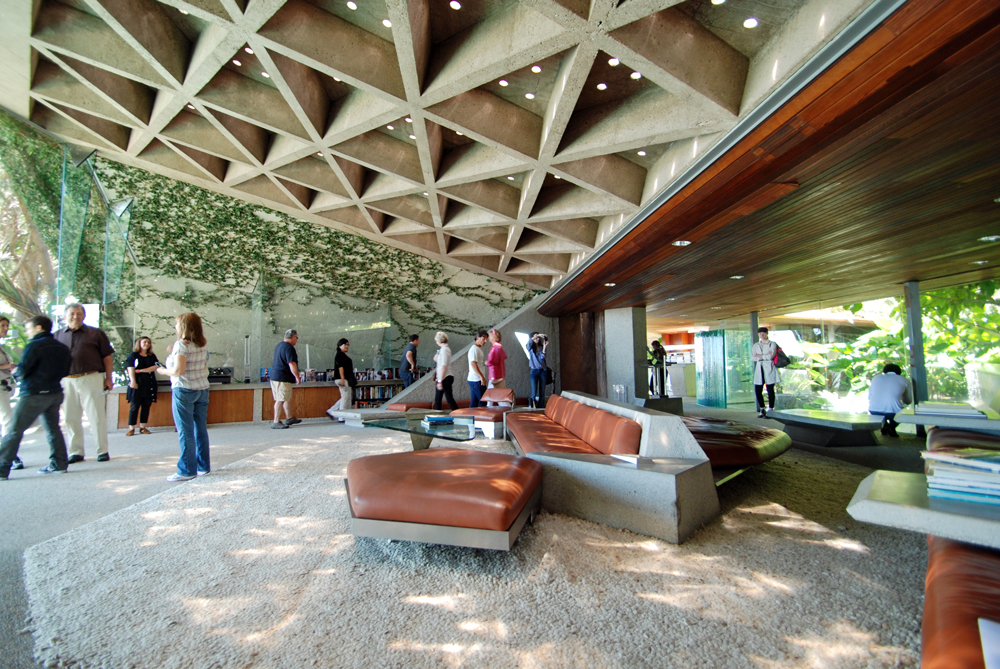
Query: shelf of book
[[370, 394]]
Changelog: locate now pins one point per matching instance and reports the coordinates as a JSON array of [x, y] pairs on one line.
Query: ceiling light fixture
[[408, 119], [642, 153], [681, 242], [387, 23], [459, 133], [614, 62], [989, 239], [503, 82], [184, 12], [602, 86], [337, 79], [248, 50], [610, 285], [352, 5], [750, 23], [718, 2], [455, 4], [536, 68], [671, 299], [636, 75], [979, 262], [716, 307], [390, 127], [190, 106], [737, 277], [530, 96], [557, 176], [511, 178], [319, 153], [265, 75], [237, 63], [413, 136]]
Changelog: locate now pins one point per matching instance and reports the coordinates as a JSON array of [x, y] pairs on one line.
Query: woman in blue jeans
[[537, 344], [187, 367]]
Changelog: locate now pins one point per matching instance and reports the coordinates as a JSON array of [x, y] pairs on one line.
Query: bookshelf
[[369, 394]]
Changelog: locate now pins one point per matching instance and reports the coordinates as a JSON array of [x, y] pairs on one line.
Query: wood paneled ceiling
[[885, 169], [501, 136]]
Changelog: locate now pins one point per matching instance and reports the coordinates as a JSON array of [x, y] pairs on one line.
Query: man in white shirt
[[477, 368], [888, 393]]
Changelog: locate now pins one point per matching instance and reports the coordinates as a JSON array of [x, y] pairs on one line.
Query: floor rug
[[253, 566]]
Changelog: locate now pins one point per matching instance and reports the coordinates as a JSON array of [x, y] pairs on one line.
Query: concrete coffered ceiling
[[509, 138]]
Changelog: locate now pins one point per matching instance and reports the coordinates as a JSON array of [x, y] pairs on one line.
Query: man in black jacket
[[44, 363]]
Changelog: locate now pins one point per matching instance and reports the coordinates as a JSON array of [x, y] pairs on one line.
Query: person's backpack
[[781, 360]]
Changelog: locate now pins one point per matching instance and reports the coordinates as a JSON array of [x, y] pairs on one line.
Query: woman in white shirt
[[187, 367], [764, 372], [443, 373]]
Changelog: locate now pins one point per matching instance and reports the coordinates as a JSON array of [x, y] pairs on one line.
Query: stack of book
[[954, 409], [431, 422], [967, 474]]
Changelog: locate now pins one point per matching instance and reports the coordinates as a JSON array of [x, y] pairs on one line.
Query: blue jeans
[[190, 409], [538, 388], [407, 378], [28, 408], [475, 393]]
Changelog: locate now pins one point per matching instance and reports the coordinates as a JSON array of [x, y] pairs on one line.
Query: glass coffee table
[[463, 429]]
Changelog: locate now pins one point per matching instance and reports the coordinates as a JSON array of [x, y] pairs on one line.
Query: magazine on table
[[975, 458], [963, 496], [957, 409]]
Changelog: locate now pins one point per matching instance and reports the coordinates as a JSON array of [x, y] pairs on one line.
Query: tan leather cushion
[[729, 443], [556, 407], [963, 585], [537, 432], [505, 395], [443, 486], [611, 434], [494, 414]]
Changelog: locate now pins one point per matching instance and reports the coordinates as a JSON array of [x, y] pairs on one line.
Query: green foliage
[[34, 163], [186, 231]]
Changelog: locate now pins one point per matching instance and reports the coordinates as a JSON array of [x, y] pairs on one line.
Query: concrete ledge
[[667, 498], [829, 428]]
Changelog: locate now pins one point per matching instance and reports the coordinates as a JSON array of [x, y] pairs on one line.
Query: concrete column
[[625, 351], [915, 333]]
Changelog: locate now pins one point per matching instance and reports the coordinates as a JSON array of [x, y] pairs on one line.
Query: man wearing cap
[[284, 374], [89, 376]]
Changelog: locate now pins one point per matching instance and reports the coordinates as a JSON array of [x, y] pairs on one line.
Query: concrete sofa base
[[667, 498]]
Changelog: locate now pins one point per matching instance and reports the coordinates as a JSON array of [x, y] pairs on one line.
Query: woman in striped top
[[187, 367]]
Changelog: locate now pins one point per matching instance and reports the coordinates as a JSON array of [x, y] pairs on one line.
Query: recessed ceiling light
[[610, 285], [425, 194], [390, 127], [636, 75], [718, 2], [337, 79], [413, 136], [237, 63], [387, 23], [455, 4], [352, 5], [190, 106], [990, 239], [184, 12], [614, 62], [265, 75], [979, 262], [642, 153], [408, 119], [681, 242], [503, 82], [511, 178], [530, 96], [671, 299], [750, 23], [536, 68], [602, 86], [248, 50], [459, 133], [319, 153], [736, 276], [557, 176]]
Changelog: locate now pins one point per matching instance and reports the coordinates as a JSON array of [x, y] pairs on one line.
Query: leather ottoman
[[443, 496]]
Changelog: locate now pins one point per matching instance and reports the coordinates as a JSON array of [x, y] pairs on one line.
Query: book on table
[[955, 409], [966, 474], [437, 422], [975, 458]]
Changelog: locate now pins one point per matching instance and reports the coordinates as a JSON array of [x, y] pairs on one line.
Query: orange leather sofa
[[568, 426], [729, 443], [488, 418]]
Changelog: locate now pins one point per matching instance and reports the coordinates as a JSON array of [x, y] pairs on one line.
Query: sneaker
[[17, 464], [73, 459], [103, 457], [51, 470], [278, 426], [178, 477], [293, 421], [201, 473]]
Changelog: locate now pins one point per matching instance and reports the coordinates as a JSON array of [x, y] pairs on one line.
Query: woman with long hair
[[536, 347], [345, 379], [141, 393], [187, 367], [442, 374]]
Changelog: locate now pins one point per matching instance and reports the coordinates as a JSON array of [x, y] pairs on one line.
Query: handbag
[[550, 376], [781, 360]]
